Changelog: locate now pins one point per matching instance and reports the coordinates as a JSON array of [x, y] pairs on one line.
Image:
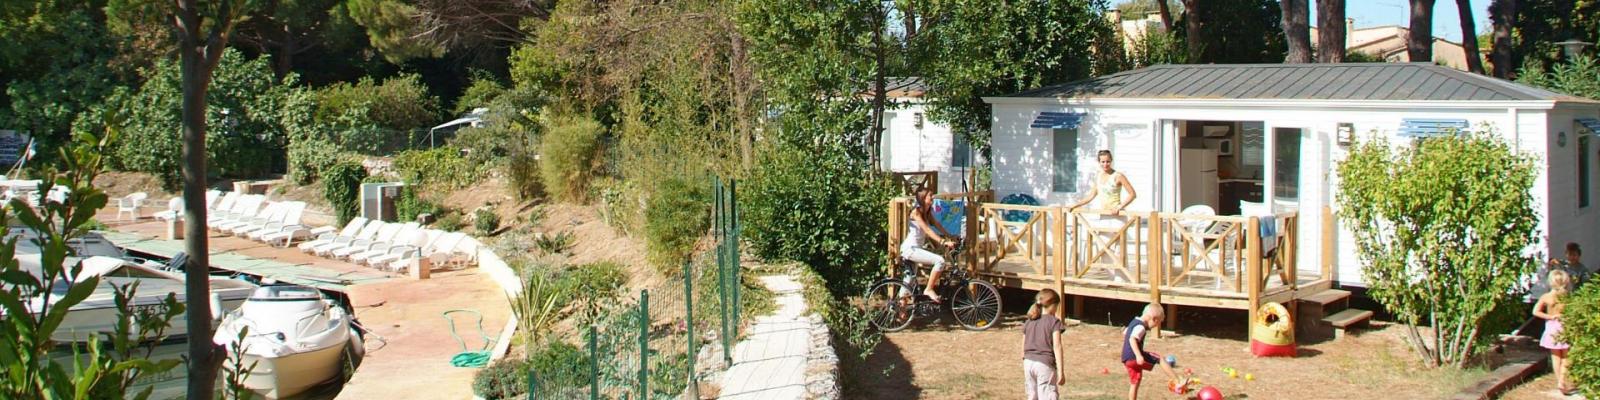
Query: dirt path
[[415, 363], [941, 361]]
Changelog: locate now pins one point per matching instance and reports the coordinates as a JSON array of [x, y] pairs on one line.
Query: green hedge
[[441, 168], [825, 210], [678, 216], [341, 186], [1581, 329], [570, 153]]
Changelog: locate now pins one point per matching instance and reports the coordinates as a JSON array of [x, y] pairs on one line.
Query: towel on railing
[[1269, 232], [952, 215]]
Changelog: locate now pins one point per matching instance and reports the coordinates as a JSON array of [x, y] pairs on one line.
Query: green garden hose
[[469, 358]]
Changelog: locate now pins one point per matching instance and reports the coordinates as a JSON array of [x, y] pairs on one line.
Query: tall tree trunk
[[1419, 41], [286, 50], [1330, 31], [1469, 37], [1166, 16], [1295, 29], [879, 82], [1504, 14], [1194, 32], [201, 44]]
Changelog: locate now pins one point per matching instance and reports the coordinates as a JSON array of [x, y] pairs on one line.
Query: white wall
[[909, 149], [1022, 159], [1577, 224]]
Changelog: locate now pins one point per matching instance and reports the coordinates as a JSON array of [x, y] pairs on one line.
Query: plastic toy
[[1233, 373], [1273, 335], [1249, 377], [1210, 393], [1172, 360], [1105, 371]]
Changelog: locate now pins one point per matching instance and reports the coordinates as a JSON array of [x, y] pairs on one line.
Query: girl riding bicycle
[[922, 229]]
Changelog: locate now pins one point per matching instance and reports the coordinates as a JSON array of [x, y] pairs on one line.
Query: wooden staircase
[[1328, 314]]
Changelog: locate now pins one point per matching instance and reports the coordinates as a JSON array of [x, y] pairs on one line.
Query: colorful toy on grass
[[1249, 377], [1210, 393], [1272, 332], [1172, 361]]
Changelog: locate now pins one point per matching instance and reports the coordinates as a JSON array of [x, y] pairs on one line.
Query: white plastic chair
[[326, 235], [130, 204], [174, 210]]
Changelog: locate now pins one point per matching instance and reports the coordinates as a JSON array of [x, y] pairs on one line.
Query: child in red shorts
[[1134, 355]]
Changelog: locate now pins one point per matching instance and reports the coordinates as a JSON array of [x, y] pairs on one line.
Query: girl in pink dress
[[1549, 308]]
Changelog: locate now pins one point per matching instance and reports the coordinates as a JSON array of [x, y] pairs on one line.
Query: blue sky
[[1446, 23]]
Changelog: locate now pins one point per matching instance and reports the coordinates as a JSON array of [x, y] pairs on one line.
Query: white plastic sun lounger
[[360, 246], [291, 218], [272, 211], [351, 229], [278, 218], [408, 251], [414, 238], [367, 233], [243, 207], [439, 246]]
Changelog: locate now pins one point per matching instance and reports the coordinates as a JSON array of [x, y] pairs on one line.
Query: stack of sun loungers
[[392, 246], [388, 246]]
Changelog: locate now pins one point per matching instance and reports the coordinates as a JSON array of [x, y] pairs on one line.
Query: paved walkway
[[771, 362]]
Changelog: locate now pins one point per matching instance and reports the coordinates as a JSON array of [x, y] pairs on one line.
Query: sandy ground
[[1542, 387], [941, 361], [408, 357]]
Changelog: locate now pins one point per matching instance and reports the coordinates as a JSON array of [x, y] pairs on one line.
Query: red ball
[[1210, 393]]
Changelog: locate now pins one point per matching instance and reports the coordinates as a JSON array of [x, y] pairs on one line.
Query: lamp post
[[1572, 48]]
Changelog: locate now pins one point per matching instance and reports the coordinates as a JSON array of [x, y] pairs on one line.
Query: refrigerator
[[1197, 177]]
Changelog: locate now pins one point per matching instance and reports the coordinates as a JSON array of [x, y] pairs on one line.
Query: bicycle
[[894, 302]]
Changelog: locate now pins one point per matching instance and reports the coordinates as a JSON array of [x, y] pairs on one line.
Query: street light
[[1573, 47]]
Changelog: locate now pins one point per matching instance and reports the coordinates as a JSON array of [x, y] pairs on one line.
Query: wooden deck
[[1205, 261]]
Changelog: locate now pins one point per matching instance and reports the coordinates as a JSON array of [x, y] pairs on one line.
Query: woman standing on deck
[[1110, 183]]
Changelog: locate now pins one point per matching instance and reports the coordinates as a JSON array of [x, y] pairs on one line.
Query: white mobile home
[[1237, 137], [912, 142]]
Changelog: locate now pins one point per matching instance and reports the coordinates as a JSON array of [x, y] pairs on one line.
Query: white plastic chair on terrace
[[385, 233], [130, 204], [221, 205], [350, 231]]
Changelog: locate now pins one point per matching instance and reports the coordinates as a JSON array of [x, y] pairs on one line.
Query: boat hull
[[278, 377]]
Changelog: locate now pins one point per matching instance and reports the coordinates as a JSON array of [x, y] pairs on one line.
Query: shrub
[[442, 168], [485, 221], [1581, 329], [594, 285], [244, 133], [341, 186], [522, 172], [678, 215], [1441, 239], [410, 204], [504, 379], [570, 156], [449, 221], [558, 369], [553, 243], [824, 210], [376, 119]]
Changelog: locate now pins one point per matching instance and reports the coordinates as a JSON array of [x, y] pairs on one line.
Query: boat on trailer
[[296, 338]]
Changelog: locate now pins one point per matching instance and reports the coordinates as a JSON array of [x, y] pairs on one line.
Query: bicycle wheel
[[976, 305], [889, 306]]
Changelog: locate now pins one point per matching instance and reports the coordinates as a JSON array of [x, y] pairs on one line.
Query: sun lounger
[[243, 207], [267, 214], [414, 239], [291, 218], [350, 231], [277, 217], [412, 250], [442, 245], [367, 233], [382, 239]]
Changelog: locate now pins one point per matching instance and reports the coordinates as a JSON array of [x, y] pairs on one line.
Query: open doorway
[[1220, 164]]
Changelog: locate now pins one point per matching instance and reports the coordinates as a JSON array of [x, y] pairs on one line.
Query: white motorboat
[[97, 314], [295, 337]]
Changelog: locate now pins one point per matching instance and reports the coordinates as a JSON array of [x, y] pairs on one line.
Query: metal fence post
[[594, 364], [644, 344], [533, 385], [688, 305], [733, 251]]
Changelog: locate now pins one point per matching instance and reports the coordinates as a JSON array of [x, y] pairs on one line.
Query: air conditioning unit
[[378, 200]]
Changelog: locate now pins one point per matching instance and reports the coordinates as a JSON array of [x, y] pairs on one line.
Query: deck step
[[1348, 317], [1327, 297]]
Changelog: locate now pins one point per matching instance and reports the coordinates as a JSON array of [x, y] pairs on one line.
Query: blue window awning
[[1057, 120], [1418, 127], [1592, 123]]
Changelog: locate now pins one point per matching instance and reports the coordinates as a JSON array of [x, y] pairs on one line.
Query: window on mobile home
[[960, 151], [1064, 161]]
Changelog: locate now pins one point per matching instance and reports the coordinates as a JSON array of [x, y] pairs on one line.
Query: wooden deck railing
[[1209, 256]]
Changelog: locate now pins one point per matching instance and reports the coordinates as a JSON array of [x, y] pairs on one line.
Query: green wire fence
[[645, 347]]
